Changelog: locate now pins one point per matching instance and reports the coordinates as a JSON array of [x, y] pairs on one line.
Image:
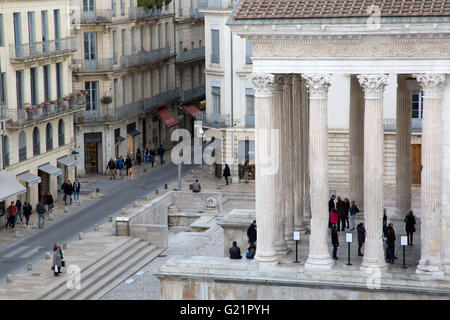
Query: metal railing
[[192, 94], [44, 49], [107, 16], [190, 55], [141, 13], [99, 65], [96, 16], [390, 125], [216, 4], [216, 120], [145, 57], [161, 99], [20, 117], [195, 14]]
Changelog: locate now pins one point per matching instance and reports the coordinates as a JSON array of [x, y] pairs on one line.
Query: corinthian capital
[[263, 82], [288, 79], [317, 85], [279, 82], [432, 84], [373, 84]]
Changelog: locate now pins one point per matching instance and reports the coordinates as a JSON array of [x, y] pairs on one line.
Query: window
[[122, 7], [159, 35], [152, 91], [216, 100], [151, 37], [44, 21], [19, 88], [248, 52], [142, 38], [250, 106], [92, 97], [33, 86], [36, 142], [22, 146], [59, 86], [133, 47], [200, 72], [90, 45], [167, 78], [46, 82], [115, 94], [113, 8], [133, 96], [17, 34], [166, 33], [192, 77], [123, 42], [48, 137], [114, 41], [1, 30], [142, 85], [215, 55], [57, 21], [31, 32], [5, 146], [181, 47], [417, 104], [160, 80], [61, 139], [180, 7], [124, 99], [181, 79]]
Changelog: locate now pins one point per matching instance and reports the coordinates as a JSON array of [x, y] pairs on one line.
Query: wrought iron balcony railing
[[191, 55], [96, 16], [40, 50], [145, 57], [99, 65], [216, 4], [193, 94], [391, 124]]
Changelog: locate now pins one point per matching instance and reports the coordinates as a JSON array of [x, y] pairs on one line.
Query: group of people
[[227, 172], [339, 213], [235, 251], [68, 190], [18, 211]]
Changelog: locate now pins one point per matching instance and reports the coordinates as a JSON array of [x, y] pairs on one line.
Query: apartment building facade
[[36, 98]]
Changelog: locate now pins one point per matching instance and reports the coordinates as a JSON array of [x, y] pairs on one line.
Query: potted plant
[[107, 100]]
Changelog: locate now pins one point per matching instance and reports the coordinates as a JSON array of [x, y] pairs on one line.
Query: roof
[[302, 9]]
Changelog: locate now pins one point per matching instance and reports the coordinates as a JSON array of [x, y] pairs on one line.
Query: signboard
[[349, 237], [296, 235], [404, 240], [123, 219]]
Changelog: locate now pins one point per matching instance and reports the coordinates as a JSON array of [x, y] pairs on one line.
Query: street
[[117, 194]]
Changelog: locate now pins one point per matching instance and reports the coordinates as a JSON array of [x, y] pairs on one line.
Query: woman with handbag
[[57, 260]]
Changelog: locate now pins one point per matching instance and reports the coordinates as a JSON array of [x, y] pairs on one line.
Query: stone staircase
[[110, 270]]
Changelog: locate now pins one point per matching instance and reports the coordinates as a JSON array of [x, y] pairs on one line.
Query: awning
[[134, 132], [29, 178], [69, 163], [192, 110], [9, 186], [167, 117], [119, 139], [51, 170]]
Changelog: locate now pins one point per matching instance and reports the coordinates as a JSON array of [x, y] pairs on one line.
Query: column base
[[373, 265], [398, 214], [268, 259], [319, 263], [282, 249], [426, 267]]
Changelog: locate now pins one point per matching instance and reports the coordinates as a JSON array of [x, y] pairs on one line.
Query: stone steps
[[106, 273]]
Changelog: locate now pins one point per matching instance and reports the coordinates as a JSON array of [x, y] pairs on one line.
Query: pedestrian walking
[[119, 165], [390, 235], [19, 212], [152, 156], [57, 260], [353, 211], [251, 232], [49, 202], [40, 209], [196, 187], [361, 237], [69, 191], [146, 155], [410, 228], [138, 156], [334, 217], [331, 206], [226, 173], [341, 214], [76, 190], [346, 211], [111, 167], [12, 212], [235, 251], [246, 171], [27, 212], [334, 241], [161, 153], [63, 189], [128, 164]]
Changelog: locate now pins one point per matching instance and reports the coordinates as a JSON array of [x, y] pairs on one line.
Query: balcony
[[196, 15], [22, 117], [141, 13], [106, 16], [94, 66], [96, 16], [216, 4], [145, 57], [217, 120], [161, 99], [191, 55], [390, 125], [193, 94], [42, 50]]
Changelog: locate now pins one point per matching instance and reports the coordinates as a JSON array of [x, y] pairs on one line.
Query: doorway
[[44, 186], [91, 157], [416, 164]]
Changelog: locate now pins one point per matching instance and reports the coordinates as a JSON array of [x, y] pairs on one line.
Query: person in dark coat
[[235, 252], [226, 173], [341, 214], [19, 211], [334, 242], [361, 237], [128, 164], [49, 202], [250, 254], [353, 211], [63, 189], [346, 210], [410, 221], [138, 156], [69, 191], [251, 232], [384, 223], [161, 153], [331, 206], [390, 235], [76, 190], [152, 156], [27, 211]]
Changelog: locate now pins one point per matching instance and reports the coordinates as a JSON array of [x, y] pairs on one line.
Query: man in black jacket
[[161, 153], [251, 232], [69, 191], [111, 168], [235, 252], [331, 206], [334, 242]]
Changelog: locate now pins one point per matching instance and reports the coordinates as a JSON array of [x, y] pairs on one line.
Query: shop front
[[66, 164], [47, 172], [92, 152], [132, 132], [9, 187], [28, 180]]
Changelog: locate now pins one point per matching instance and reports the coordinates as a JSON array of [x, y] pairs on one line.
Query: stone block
[[64, 245], [48, 256], [95, 227], [110, 218], [80, 236]]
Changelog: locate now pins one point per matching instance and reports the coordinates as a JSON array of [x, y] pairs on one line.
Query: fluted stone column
[[319, 256], [430, 257], [289, 164], [280, 241], [403, 163], [305, 153], [373, 86], [267, 153], [356, 142], [297, 140]]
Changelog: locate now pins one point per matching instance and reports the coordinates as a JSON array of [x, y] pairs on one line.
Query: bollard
[[93, 195], [95, 227], [165, 186], [110, 219], [80, 236], [136, 204], [192, 171], [66, 209], [124, 210], [147, 197], [9, 278], [48, 256], [156, 191], [17, 234], [64, 245], [29, 267]]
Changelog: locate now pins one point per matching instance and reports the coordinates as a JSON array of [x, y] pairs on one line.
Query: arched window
[[61, 139], [49, 137], [22, 146], [36, 142], [5, 145]]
